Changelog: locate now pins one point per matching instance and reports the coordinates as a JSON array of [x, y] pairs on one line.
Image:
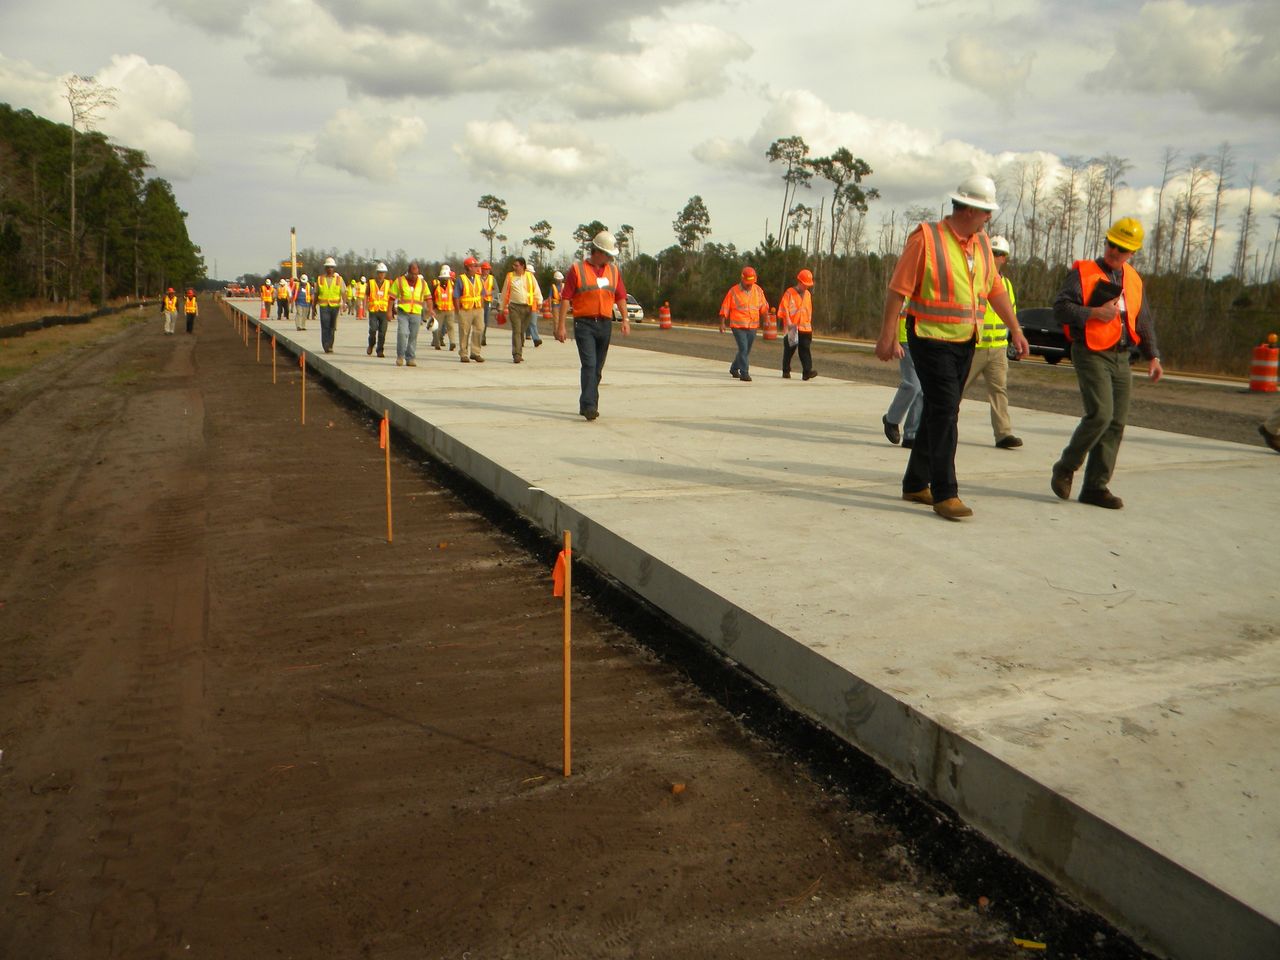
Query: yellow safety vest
[[488, 288], [190, 305], [443, 294], [556, 290], [472, 292], [329, 290], [952, 297], [994, 332], [171, 303], [379, 295], [409, 299], [268, 292]]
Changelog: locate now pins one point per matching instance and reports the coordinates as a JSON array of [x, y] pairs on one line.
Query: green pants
[[1104, 387]]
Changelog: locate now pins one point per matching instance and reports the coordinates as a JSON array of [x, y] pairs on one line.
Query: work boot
[[1101, 498], [1060, 482], [745, 378], [924, 496], [410, 363], [1009, 442], [369, 351], [811, 374], [952, 509], [891, 431], [786, 374], [399, 361]]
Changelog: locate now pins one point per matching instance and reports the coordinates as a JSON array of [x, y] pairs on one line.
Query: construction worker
[[302, 299], [283, 293], [470, 312], [902, 419], [594, 288], [268, 294], [946, 275], [744, 308], [795, 313], [990, 360], [377, 304], [486, 271], [411, 296], [1105, 315], [444, 290], [170, 310], [521, 298], [191, 309], [330, 292]]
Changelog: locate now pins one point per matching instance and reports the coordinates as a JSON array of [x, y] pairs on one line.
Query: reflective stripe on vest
[[797, 308], [1105, 334], [472, 292], [595, 300], [379, 295], [994, 333], [170, 303], [952, 294], [409, 299], [330, 294], [744, 309], [443, 294]]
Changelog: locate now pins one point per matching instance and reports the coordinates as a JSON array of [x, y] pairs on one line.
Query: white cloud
[[548, 154], [968, 61], [1223, 55], [367, 144], [225, 17]]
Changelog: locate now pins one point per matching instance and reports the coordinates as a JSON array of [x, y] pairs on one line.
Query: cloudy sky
[[378, 124]]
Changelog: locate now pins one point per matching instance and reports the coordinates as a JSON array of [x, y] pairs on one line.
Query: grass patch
[[20, 354]]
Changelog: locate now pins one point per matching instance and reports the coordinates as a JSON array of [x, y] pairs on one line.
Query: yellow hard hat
[[1126, 233]]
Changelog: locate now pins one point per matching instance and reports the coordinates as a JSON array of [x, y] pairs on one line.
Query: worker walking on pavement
[[411, 297], [744, 308], [302, 299], [330, 292], [946, 275], [283, 294], [444, 295], [902, 419], [377, 304], [521, 298], [795, 313], [594, 289], [170, 310], [470, 312], [486, 272], [268, 294], [191, 309], [1105, 315], [991, 360]]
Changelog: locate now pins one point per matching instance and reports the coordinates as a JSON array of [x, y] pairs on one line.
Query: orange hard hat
[[748, 273], [805, 276], [470, 262], [190, 292], [171, 289], [485, 266]]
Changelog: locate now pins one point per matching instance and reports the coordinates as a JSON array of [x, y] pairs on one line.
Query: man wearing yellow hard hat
[[1105, 315]]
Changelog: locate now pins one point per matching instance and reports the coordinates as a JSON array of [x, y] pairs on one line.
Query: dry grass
[[20, 354]]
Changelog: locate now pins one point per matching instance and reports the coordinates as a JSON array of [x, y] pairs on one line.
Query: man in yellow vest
[[486, 271], [1105, 314], [191, 309], [795, 313], [444, 295], [412, 296], [521, 298], [377, 303], [330, 291], [946, 275], [268, 294], [990, 359], [170, 310], [470, 312], [744, 308]]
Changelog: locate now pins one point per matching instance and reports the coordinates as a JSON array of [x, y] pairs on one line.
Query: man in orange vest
[[470, 311], [1105, 315], [444, 296], [170, 310], [486, 271], [946, 275], [594, 288], [745, 308], [795, 313]]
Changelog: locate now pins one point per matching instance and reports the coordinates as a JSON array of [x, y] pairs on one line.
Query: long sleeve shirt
[[1069, 310]]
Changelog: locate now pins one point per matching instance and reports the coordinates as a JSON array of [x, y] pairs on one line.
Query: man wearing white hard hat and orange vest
[[990, 359], [594, 288], [330, 292], [1103, 311], [947, 276], [795, 313], [444, 290]]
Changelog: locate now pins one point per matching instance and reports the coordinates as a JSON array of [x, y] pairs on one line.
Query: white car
[[635, 312]]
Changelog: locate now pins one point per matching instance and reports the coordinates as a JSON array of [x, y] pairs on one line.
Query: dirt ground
[[236, 723]]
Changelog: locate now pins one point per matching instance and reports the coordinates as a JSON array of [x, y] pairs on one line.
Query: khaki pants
[[518, 316], [448, 323], [992, 364], [470, 332]]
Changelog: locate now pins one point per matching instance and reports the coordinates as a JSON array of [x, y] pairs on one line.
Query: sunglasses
[[1116, 246]]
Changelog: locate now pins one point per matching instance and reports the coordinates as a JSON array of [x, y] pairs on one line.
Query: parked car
[[1044, 335], [635, 312]]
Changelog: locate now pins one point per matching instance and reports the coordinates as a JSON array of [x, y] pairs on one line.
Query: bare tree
[[1222, 171], [1240, 264], [1169, 159], [88, 100], [792, 151], [1192, 205], [1036, 187]]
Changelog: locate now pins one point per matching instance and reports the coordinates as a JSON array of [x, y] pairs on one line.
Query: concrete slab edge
[[1165, 907]]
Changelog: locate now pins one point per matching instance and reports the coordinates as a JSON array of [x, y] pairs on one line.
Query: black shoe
[[1101, 498], [537, 343], [1060, 482], [381, 354], [734, 374], [811, 374], [591, 414], [369, 352], [891, 431], [1009, 442], [908, 443], [745, 378], [786, 374]]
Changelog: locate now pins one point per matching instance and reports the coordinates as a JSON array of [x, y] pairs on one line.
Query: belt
[[593, 318]]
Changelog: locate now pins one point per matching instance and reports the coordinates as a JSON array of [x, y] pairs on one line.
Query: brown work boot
[[924, 496], [1060, 482], [1101, 498], [952, 508]]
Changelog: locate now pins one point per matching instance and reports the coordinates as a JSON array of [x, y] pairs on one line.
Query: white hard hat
[[1000, 245], [604, 241], [304, 278], [977, 191], [445, 272], [558, 276], [381, 268], [330, 262], [362, 280]]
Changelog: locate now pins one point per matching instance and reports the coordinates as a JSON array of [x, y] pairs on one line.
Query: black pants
[[942, 367], [282, 309], [191, 322], [803, 341]]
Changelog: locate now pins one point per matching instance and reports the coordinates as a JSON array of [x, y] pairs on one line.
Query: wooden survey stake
[[302, 362], [384, 441], [562, 586]]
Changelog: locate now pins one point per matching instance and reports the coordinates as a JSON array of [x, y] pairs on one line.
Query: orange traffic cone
[[771, 326], [263, 314], [664, 317], [1263, 370]]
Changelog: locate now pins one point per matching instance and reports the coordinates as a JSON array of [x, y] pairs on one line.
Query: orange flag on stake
[[557, 576], [302, 360], [382, 434]]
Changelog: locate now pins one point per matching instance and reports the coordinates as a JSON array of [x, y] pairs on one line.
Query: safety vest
[[268, 293], [304, 293], [952, 296], [743, 309], [797, 308], [282, 291], [488, 287], [591, 300], [189, 304], [530, 286], [1105, 334], [379, 296], [443, 294], [556, 290], [170, 303], [409, 299], [329, 290], [472, 292], [994, 333]]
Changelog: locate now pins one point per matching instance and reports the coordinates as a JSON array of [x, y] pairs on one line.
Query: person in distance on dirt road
[[191, 309], [170, 310], [946, 275], [1103, 322]]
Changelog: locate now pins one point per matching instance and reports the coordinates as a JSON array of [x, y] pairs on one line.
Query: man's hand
[[1020, 344], [1107, 312], [626, 326], [1155, 371], [889, 348], [561, 335], [722, 324]]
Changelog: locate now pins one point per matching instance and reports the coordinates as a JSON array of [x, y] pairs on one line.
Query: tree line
[[79, 217]]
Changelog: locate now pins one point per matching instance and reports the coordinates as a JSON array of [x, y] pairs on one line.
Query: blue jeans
[[592, 338], [908, 402], [407, 325], [328, 324], [532, 329], [744, 338]]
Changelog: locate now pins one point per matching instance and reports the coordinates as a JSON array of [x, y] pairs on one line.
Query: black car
[[1043, 333]]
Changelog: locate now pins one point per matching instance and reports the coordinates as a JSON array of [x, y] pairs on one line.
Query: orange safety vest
[[443, 294], [592, 301], [1105, 334], [409, 299], [379, 296], [170, 303], [797, 308], [953, 294], [743, 309], [472, 292], [488, 288], [556, 290], [268, 292], [189, 305]]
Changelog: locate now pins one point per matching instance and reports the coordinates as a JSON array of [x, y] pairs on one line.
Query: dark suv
[[1043, 333]]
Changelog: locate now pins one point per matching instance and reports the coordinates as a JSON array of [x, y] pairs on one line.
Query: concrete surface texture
[[1098, 691]]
